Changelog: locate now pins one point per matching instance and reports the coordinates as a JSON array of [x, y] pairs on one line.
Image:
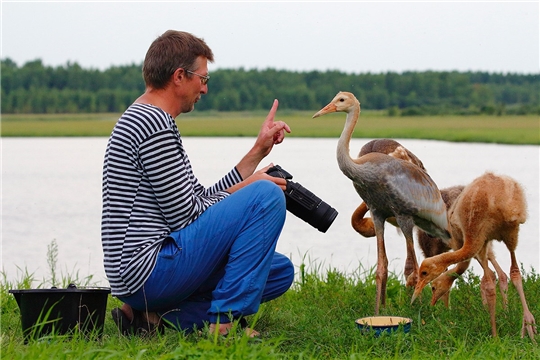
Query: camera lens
[[308, 207], [303, 203]]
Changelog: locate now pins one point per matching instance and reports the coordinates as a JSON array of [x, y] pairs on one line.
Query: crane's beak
[[418, 290], [330, 108], [434, 300]]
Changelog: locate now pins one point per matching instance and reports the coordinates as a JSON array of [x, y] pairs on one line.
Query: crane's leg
[[487, 288], [381, 274], [411, 263], [529, 324], [491, 274], [503, 279]]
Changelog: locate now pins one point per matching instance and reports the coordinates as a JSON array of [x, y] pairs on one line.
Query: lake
[[51, 191]]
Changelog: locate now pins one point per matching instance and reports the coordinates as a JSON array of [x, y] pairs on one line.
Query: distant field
[[492, 129]]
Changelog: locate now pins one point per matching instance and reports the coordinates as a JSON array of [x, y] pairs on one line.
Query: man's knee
[[286, 268], [270, 191], [280, 278]]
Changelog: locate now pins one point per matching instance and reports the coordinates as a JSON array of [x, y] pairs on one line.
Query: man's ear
[[178, 76]]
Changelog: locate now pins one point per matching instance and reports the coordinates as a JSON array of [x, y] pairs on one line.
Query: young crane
[[431, 246], [492, 207], [390, 187], [364, 225]]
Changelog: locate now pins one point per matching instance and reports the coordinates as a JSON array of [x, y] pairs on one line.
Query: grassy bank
[[491, 129], [313, 320]]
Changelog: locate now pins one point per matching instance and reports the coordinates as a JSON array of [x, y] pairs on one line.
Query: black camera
[[303, 203]]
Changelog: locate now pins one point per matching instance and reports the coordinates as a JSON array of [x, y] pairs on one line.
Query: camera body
[[303, 203]]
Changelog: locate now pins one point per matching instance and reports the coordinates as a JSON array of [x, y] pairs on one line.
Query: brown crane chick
[[491, 208], [431, 246]]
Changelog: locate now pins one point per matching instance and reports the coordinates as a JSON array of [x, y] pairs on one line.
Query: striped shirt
[[149, 190]]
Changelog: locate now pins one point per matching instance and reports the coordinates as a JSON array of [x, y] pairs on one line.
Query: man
[[173, 249]]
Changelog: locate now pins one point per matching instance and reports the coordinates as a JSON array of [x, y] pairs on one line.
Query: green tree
[[36, 88]]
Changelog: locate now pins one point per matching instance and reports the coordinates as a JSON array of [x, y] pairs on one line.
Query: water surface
[[51, 190]]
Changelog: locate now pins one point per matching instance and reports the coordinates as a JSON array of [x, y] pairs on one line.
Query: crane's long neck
[[466, 252], [345, 162]]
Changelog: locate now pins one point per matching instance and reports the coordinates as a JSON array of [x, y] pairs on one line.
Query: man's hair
[[170, 51]]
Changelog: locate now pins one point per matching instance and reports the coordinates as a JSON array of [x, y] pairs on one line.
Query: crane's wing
[[398, 187], [423, 195]]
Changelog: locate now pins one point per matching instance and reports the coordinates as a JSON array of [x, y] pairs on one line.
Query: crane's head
[[440, 286], [343, 101], [430, 269]]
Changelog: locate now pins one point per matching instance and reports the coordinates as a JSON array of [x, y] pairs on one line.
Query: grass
[[313, 320], [492, 129]]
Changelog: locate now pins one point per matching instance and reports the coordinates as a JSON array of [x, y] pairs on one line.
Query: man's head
[[170, 51]]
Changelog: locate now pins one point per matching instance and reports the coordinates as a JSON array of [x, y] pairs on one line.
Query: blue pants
[[222, 264]]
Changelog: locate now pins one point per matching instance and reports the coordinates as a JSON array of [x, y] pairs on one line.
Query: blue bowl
[[378, 325]]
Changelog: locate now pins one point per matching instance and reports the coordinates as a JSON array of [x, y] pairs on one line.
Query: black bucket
[[62, 311]]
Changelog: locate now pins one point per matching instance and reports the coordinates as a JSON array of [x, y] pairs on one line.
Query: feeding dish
[[381, 324]]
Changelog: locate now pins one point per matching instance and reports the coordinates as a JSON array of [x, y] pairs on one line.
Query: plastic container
[[61, 311]]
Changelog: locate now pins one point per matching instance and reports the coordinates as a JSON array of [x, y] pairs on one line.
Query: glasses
[[204, 79]]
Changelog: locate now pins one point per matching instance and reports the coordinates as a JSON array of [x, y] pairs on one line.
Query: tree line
[[37, 88]]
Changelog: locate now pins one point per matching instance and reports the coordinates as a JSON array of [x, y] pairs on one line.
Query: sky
[[352, 37]]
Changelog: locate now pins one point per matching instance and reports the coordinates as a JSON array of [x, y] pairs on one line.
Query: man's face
[[194, 87]]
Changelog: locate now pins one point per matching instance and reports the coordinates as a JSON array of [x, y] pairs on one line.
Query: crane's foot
[[529, 326]]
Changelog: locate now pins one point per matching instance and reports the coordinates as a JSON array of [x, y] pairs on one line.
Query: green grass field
[[313, 320], [490, 129]]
